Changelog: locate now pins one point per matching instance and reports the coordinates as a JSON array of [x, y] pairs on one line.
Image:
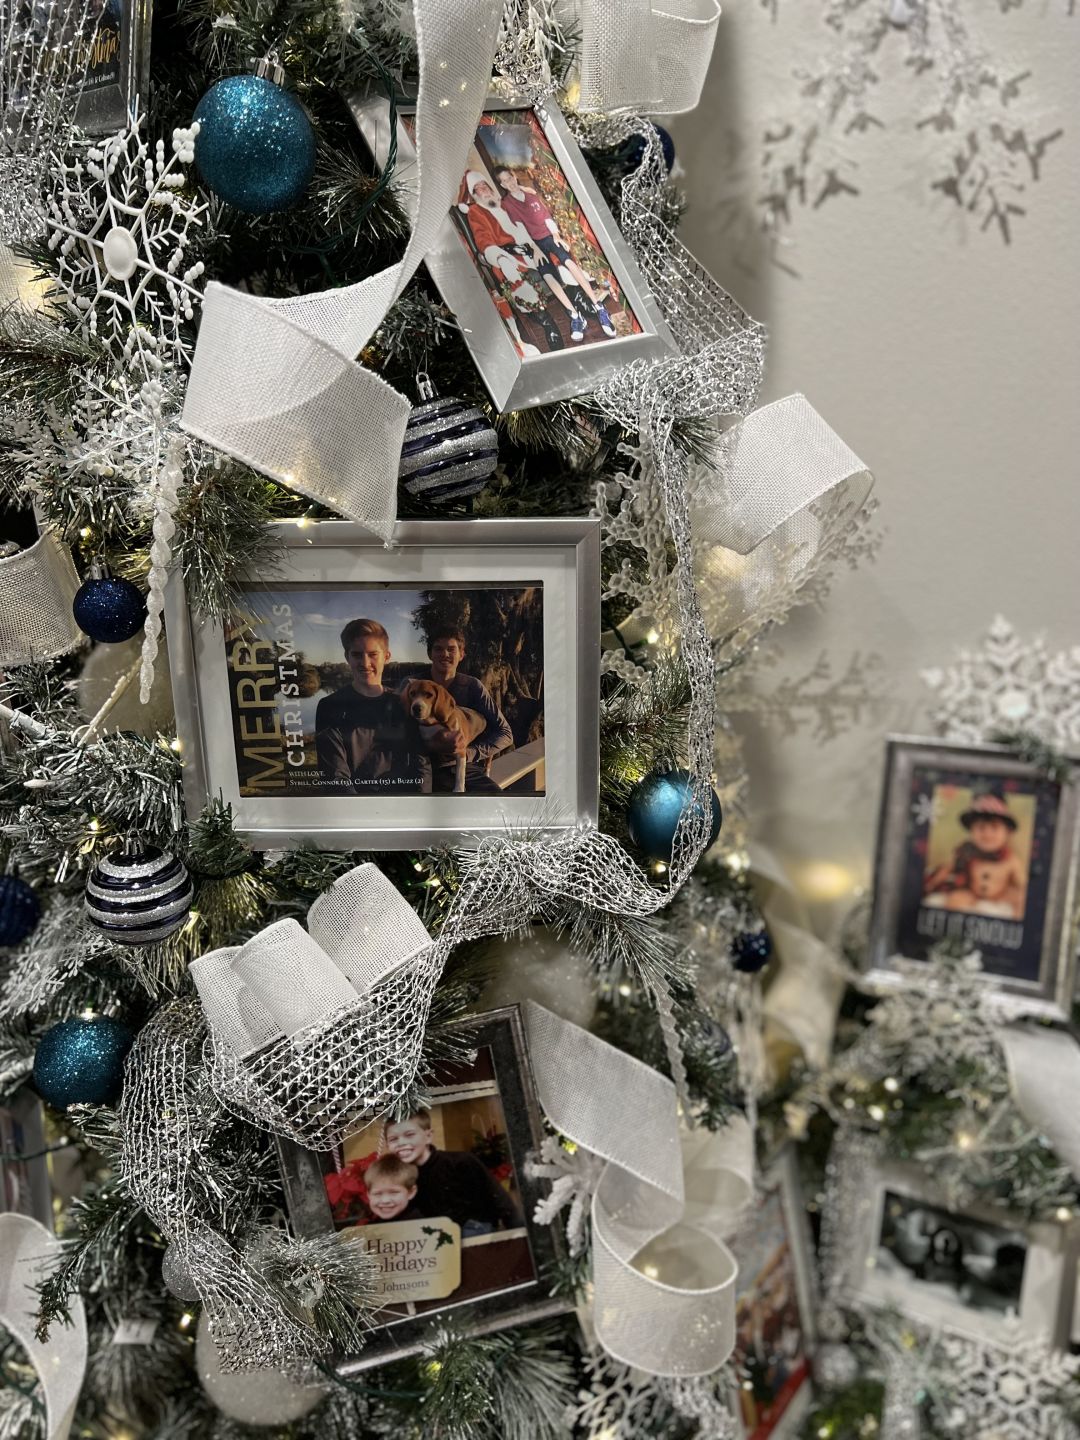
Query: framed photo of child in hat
[[979, 847]]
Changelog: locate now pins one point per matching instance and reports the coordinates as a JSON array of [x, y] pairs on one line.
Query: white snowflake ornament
[[574, 1174], [1008, 684], [122, 225]]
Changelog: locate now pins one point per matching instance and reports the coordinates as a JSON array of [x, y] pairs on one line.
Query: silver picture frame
[[515, 381], [1048, 992], [781, 1188], [561, 555], [502, 1033], [117, 76], [939, 1264]]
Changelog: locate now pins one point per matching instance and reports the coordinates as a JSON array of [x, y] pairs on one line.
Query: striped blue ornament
[[449, 450], [140, 898]]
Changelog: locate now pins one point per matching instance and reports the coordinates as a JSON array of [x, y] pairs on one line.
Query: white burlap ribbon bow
[[785, 488], [644, 58], [1044, 1069], [27, 1251], [286, 978], [663, 1279], [37, 586]]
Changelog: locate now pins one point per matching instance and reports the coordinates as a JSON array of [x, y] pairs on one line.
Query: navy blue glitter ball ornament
[[750, 951], [449, 450], [255, 147], [140, 898], [109, 610], [655, 807], [20, 910], [81, 1062], [634, 148]]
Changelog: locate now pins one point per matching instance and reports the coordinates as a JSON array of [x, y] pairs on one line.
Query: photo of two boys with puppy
[[396, 689]]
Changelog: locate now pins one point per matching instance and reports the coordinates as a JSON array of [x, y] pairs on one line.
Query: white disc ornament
[[541, 966], [253, 1397], [120, 252]]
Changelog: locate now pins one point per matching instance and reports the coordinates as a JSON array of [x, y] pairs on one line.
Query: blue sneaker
[[577, 328], [605, 322]]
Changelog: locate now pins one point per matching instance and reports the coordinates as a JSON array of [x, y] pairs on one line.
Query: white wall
[[949, 361]]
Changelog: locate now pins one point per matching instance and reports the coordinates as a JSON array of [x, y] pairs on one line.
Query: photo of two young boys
[[369, 739], [416, 1180], [365, 738]]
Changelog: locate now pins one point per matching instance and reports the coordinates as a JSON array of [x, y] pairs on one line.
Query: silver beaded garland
[[139, 898]]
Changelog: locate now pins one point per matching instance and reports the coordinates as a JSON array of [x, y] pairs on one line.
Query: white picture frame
[[940, 1265], [557, 787], [469, 281]]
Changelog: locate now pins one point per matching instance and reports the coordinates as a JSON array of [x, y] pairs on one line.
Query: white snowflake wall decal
[[1008, 1392], [1008, 684], [122, 224]]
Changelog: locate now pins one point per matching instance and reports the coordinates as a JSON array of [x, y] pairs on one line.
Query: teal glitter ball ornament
[[20, 910], [109, 610], [255, 147], [81, 1062], [655, 808]]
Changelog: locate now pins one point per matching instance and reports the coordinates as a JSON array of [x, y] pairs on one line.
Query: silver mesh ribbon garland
[[162, 1116]]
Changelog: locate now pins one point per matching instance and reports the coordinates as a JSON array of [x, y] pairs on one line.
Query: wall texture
[[948, 360]]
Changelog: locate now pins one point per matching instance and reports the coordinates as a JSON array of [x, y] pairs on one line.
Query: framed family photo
[[117, 72], [378, 698], [978, 1271], [774, 1309], [546, 291], [976, 846], [441, 1197]]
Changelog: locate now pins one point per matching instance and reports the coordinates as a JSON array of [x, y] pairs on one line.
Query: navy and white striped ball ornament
[[449, 451], [140, 898], [20, 910]]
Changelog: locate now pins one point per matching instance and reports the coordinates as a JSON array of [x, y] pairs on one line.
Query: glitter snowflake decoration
[[621, 1403], [1008, 684], [1015, 1391], [121, 227], [574, 1174], [940, 1015]]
